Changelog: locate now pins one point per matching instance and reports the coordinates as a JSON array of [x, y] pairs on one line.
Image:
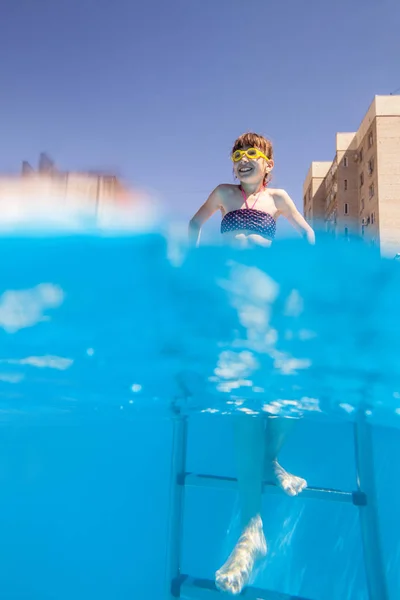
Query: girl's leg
[[249, 439], [277, 430], [258, 442]]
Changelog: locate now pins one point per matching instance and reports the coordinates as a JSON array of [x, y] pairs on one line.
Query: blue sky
[[158, 90]]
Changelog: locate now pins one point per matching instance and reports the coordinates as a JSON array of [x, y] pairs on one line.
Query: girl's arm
[[210, 206], [288, 209]]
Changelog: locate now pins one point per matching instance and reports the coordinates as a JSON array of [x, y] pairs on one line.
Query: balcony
[[331, 175], [331, 201]]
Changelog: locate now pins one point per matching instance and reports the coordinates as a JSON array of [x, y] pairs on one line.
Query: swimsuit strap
[[244, 196], [245, 199]]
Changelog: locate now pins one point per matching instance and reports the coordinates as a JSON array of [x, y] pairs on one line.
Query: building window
[[360, 155], [371, 164], [345, 184], [362, 204], [371, 190], [361, 179], [346, 209], [370, 139], [345, 161], [372, 218]]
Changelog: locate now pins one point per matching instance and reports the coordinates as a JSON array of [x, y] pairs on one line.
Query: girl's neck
[[252, 188]]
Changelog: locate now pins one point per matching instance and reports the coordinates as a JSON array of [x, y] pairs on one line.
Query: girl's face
[[249, 169]]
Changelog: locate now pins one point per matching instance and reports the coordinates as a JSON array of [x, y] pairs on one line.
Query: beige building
[[90, 191], [358, 193]]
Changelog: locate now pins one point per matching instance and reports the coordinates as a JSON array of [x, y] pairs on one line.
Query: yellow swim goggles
[[251, 153]]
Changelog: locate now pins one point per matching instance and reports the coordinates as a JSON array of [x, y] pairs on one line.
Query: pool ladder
[[186, 587]]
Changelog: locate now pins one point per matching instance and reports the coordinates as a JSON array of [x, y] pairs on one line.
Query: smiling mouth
[[245, 169]]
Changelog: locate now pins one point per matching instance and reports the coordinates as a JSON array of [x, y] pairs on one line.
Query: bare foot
[[236, 572], [291, 484]]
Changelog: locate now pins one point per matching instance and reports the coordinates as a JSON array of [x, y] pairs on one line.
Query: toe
[[289, 488], [221, 582], [301, 485], [235, 588]]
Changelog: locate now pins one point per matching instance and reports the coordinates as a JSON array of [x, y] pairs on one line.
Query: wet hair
[[254, 140]]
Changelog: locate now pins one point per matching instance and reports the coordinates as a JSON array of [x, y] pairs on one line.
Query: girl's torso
[[250, 220]]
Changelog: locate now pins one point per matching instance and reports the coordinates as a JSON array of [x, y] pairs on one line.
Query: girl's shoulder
[[279, 192], [224, 191], [279, 195], [227, 188]]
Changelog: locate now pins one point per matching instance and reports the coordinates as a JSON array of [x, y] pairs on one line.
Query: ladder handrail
[[369, 524], [176, 502]]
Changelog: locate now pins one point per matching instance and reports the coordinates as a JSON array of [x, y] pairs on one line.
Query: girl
[[252, 157], [249, 214]]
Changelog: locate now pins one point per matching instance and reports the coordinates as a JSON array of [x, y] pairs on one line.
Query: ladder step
[[215, 481], [204, 589]]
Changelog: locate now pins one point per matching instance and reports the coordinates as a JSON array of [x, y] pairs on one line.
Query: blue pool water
[[105, 339]]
